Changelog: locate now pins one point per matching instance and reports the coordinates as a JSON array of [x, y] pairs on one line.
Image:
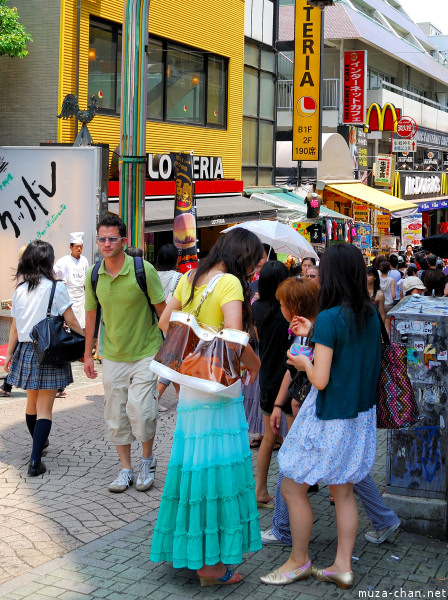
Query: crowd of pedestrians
[[309, 389]]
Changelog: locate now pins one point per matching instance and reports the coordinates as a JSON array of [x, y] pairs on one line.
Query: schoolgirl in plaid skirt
[[35, 278]]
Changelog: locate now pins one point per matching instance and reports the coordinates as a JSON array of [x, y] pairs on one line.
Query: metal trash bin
[[417, 458]]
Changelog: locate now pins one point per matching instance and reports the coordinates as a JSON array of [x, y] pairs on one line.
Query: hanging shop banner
[[384, 169], [308, 53], [302, 229], [355, 84], [184, 226], [363, 236], [411, 230], [388, 242], [405, 160], [431, 159], [360, 212]]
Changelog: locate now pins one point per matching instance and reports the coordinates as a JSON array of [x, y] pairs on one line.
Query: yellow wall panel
[[214, 26]]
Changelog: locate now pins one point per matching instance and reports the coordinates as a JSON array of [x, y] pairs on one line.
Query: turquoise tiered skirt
[[208, 511]]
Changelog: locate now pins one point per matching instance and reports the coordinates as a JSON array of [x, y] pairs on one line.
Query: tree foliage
[[13, 35]]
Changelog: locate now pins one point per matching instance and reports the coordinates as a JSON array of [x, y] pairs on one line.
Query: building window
[[258, 115], [185, 85]]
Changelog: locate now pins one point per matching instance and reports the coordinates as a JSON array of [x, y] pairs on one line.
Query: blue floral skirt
[[332, 452], [208, 511]]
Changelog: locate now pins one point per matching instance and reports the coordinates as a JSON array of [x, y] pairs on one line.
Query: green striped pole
[[133, 119]]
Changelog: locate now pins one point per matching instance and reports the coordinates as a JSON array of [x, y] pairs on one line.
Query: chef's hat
[[77, 237]]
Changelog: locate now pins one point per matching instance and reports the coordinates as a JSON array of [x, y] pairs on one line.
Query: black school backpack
[[140, 276]]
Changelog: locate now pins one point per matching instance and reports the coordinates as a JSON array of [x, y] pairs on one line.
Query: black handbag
[[53, 341]]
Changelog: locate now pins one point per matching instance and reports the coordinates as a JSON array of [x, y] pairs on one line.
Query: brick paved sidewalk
[[65, 536]]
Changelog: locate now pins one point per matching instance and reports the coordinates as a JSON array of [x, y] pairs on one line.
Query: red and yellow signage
[[355, 85], [184, 225], [382, 119], [306, 136], [361, 212]]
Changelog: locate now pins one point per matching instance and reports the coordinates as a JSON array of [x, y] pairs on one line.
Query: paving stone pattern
[[63, 535]]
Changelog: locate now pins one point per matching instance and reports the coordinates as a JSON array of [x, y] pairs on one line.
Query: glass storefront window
[[266, 144], [185, 85], [155, 79], [249, 141], [216, 91], [102, 65], [267, 91], [267, 60], [250, 96], [251, 55]]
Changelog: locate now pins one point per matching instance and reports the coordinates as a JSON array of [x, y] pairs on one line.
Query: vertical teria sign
[[306, 140], [355, 74]]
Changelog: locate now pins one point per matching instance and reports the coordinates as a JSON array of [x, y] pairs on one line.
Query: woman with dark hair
[[307, 262], [434, 282], [35, 278], [333, 438], [208, 513], [375, 293], [272, 331]]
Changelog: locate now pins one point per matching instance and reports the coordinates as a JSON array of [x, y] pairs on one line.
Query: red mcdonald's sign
[[382, 119]]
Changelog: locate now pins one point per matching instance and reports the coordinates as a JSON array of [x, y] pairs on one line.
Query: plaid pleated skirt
[[25, 371]]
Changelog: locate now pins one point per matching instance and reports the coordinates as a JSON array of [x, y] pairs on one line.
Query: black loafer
[[36, 468]]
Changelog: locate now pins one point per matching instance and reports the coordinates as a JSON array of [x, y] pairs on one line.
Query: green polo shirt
[[129, 334]]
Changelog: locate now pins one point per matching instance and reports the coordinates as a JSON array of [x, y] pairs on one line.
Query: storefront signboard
[[411, 230], [402, 145], [383, 221], [160, 167], [388, 242], [425, 206], [355, 84], [405, 160], [308, 52], [361, 212], [384, 169]]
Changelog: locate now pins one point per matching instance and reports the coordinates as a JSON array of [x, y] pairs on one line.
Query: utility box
[[417, 458]]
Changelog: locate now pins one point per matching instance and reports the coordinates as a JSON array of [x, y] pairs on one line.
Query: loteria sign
[[306, 136], [355, 84]]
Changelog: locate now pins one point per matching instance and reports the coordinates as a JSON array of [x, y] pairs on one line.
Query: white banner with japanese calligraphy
[[354, 87], [46, 193]]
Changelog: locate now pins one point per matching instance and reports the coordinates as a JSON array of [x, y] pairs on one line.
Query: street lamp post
[[133, 118]]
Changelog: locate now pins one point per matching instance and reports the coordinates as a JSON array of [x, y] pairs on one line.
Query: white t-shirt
[[28, 308], [169, 280]]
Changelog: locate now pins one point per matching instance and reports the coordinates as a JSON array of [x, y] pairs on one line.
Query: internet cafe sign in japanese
[[355, 80], [308, 52], [160, 167]]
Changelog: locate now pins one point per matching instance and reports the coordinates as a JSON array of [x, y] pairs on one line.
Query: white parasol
[[282, 238]]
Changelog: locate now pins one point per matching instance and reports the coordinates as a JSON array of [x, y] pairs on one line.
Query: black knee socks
[[40, 436], [31, 423]]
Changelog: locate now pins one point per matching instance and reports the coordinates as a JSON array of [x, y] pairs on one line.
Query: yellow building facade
[[210, 27]]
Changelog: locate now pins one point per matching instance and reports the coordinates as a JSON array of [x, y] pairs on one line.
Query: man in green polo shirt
[[130, 341]]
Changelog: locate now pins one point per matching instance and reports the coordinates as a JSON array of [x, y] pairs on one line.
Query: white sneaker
[[378, 536], [124, 480], [269, 539], [145, 478]]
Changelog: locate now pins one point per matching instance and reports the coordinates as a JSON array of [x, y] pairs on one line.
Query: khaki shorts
[[130, 400]]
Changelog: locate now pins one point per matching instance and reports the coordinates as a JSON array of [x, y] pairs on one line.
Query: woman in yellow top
[[208, 512]]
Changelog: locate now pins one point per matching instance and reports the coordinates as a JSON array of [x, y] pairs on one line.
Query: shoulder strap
[[208, 290], [140, 276], [94, 280], [50, 302]]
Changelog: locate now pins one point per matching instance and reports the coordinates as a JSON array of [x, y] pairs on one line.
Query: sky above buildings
[[421, 11]]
